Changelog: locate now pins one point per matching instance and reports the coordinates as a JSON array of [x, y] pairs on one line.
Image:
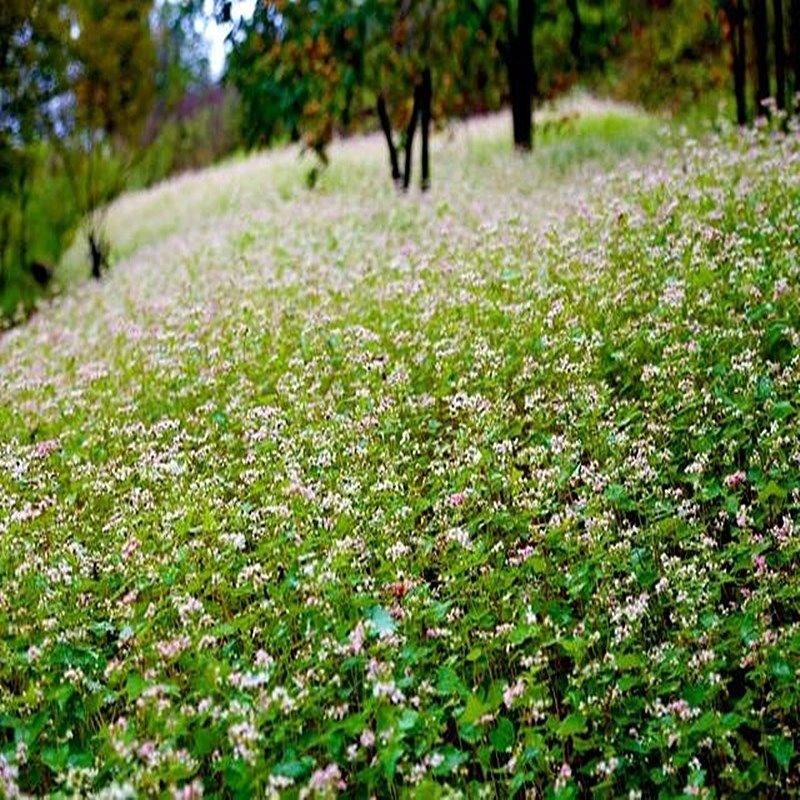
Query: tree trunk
[[577, 33], [426, 101], [794, 34], [521, 76], [386, 126], [761, 41], [98, 256], [409, 143], [23, 195], [739, 59], [5, 242], [42, 273], [780, 56]]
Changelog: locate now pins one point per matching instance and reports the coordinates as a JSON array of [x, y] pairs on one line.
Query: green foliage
[[114, 84], [76, 84], [306, 69], [489, 494], [33, 63], [676, 57], [181, 60], [190, 140], [38, 232]]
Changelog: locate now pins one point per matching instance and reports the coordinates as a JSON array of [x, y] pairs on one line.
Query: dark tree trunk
[[577, 33], [521, 76], [741, 79], [426, 101], [98, 255], [42, 273], [5, 241], [780, 56], [735, 12], [794, 33], [386, 127], [761, 42], [409, 143], [513, 90], [23, 192]]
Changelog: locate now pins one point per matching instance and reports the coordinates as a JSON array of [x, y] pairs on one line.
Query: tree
[[761, 43], [576, 33], [740, 62], [421, 110], [794, 33], [521, 75], [414, 32], [181, 58], [780, 55], [307, 69], [33, 78], [734, 14], [76, 81], [114, 68]]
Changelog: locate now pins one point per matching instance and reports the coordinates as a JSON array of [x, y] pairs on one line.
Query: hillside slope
[[488, 491]]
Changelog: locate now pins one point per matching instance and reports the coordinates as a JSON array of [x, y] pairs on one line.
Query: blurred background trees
[[33, 67], [100, 95]]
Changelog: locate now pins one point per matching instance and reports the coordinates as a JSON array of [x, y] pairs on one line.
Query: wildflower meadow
[[487, 492]]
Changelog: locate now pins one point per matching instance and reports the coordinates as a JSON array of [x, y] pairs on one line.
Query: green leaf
[[617, 495], [503, 736], [629, 661], [293, 768], [782, 749], [237, 777], [763, 388], [448, 682], [382, 621], [205, 740], [782, 409], [389, 758], [55, 757], [135, 685], [453, 759], [61, 694], [474, 710], [408, 719], [428, 790], [780, 669], [571, 725]]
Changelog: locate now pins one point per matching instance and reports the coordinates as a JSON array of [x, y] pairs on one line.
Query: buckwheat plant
[[492, 492]]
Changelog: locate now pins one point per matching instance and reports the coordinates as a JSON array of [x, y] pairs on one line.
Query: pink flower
[[735, 479], [760, 564], [367, 738], [189, 791], [43, 449], [326, 779], [264, 659], [130, 547], [170, 649], [357, 639], [781, 288], [457, 499], [565, 772], [511, 693], [147, 751]]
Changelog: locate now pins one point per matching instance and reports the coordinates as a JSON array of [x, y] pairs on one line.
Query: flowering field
[[490, 492]]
